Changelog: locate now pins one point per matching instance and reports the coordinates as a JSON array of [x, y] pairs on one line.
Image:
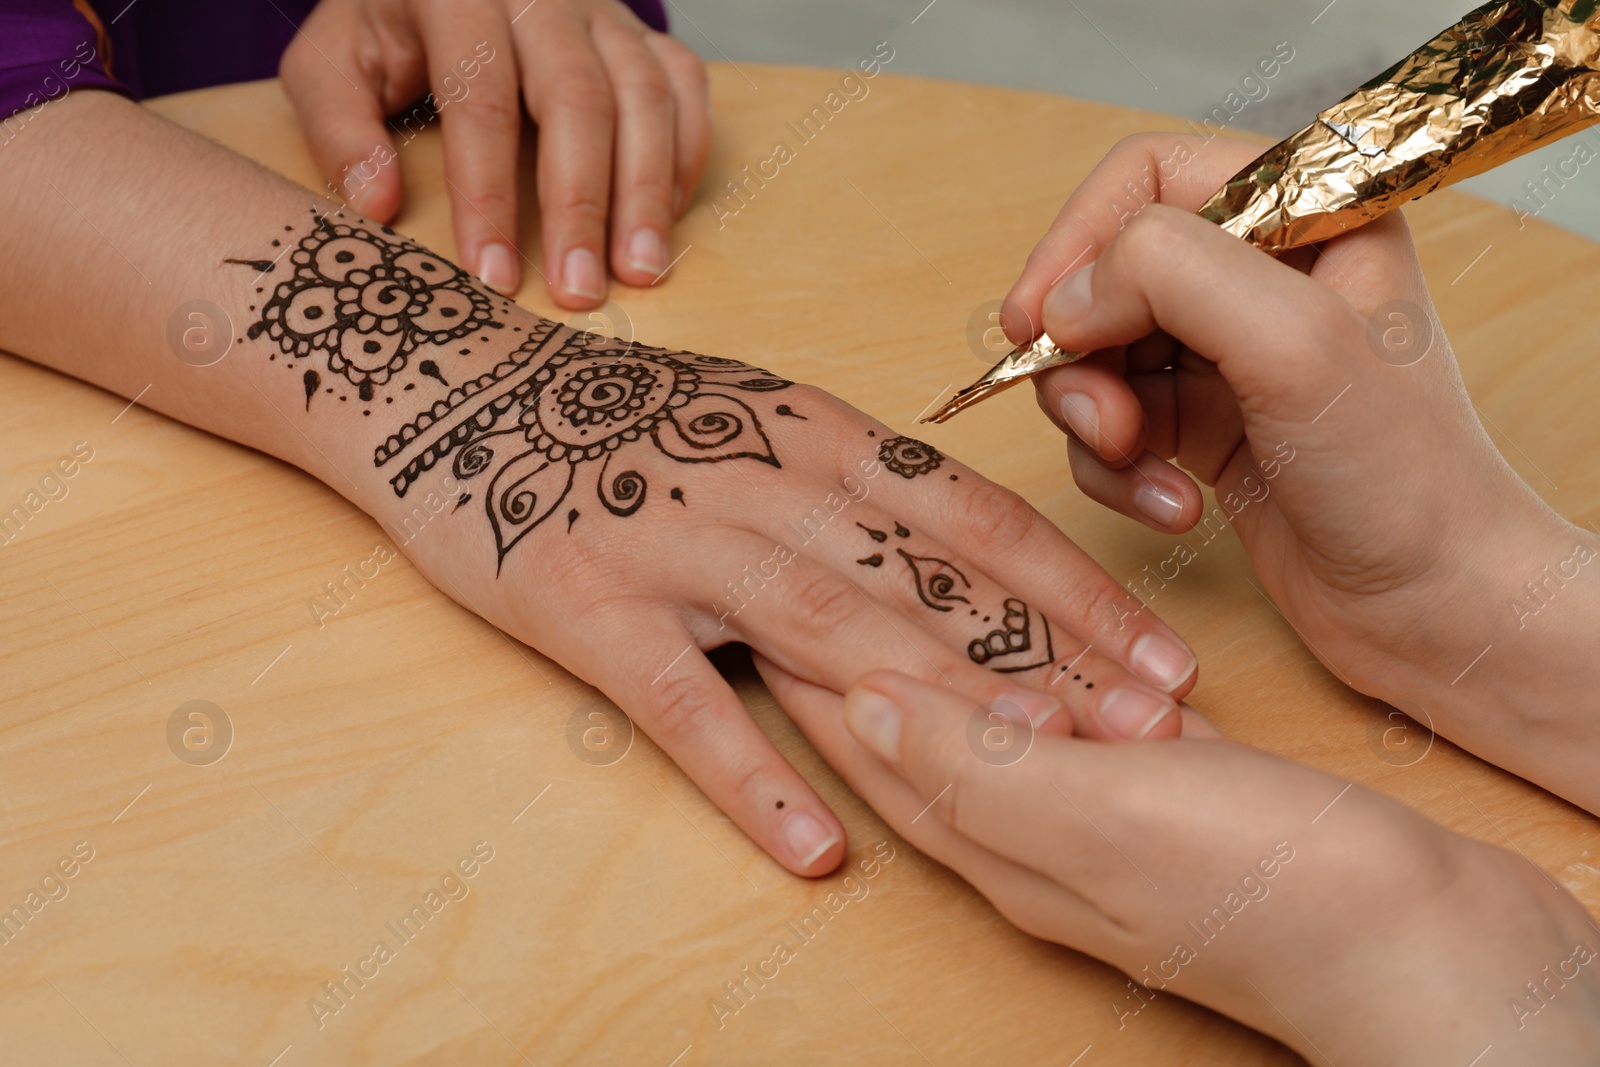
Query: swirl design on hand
[[624, 494], [473, 459], [601, 413], [937, 581], [713, 429]]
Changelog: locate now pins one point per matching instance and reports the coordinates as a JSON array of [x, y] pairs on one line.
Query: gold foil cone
[[1511, 77]]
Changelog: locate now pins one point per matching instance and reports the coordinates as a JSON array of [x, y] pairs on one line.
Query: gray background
[[1177, 58]]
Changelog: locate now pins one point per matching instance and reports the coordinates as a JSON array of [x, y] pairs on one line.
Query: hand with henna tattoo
[[620, 507]]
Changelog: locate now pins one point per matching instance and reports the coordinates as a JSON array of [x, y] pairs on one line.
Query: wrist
[[1507, 669], [1425, 950]]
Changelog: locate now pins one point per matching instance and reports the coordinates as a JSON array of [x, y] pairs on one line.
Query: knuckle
[[684, 706], [1071, 230], [584, 93], [581, 206], [650, 187], [996, 518], [1137, 146], [744, 782], [500, 110], [1103, 605], [687, 64], [826, 602], [646, 83], [1148, 235], [593, 565]]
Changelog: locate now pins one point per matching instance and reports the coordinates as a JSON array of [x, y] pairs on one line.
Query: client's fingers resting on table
[[662, 680], [1028, 899]]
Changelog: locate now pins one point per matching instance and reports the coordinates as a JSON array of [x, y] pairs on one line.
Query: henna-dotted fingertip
[[808, 838]]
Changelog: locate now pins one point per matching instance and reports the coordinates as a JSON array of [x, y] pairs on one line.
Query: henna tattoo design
[[1022, 642], [936, 581], [364, 301], [1015, 637], [563, 407], [909, 457], [566, 407]]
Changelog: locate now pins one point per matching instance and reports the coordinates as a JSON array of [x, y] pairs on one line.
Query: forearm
[[117, 218], [140, 251]]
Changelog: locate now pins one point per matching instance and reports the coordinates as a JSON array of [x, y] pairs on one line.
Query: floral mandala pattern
[[366, 302], [594, 411], [908, 457]]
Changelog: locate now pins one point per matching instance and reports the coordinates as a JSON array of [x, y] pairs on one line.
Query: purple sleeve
[[50, 47], [651, 12], [47, 49]]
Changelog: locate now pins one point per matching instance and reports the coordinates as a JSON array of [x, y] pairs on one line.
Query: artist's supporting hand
[[1320, 397], [620, 507], [624, 117], [1325, 914]]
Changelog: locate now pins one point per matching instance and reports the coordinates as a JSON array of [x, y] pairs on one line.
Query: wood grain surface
[[373, 754]]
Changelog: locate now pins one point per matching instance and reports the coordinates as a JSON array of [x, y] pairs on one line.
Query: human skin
[[1324, 914], [1378, 937], [623, 116], [620, 508], [1401, 546]]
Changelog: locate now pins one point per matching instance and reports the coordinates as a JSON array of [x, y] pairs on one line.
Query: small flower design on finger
[[908, 457]]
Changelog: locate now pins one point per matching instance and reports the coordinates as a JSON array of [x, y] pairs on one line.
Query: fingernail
[[497, 266], [1133, 713], [875, 721], [1082, 414], [1162, 660], [581, 275], [1162, 507], [1072, 298], [1038, 708], [357, 198], [647, 252], [807, 837]]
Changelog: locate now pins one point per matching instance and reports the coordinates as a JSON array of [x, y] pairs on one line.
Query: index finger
[[1166, 168]]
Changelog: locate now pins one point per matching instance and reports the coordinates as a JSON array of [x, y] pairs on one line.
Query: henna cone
[[1511, 77]]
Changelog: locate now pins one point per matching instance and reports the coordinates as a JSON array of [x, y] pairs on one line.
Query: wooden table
[[370, 755]]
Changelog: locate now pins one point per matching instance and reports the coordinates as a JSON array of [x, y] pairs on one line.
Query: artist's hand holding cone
[[1320, 398], [1205, 869]]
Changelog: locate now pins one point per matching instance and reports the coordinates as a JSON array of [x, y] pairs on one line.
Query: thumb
[[341, 115]]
